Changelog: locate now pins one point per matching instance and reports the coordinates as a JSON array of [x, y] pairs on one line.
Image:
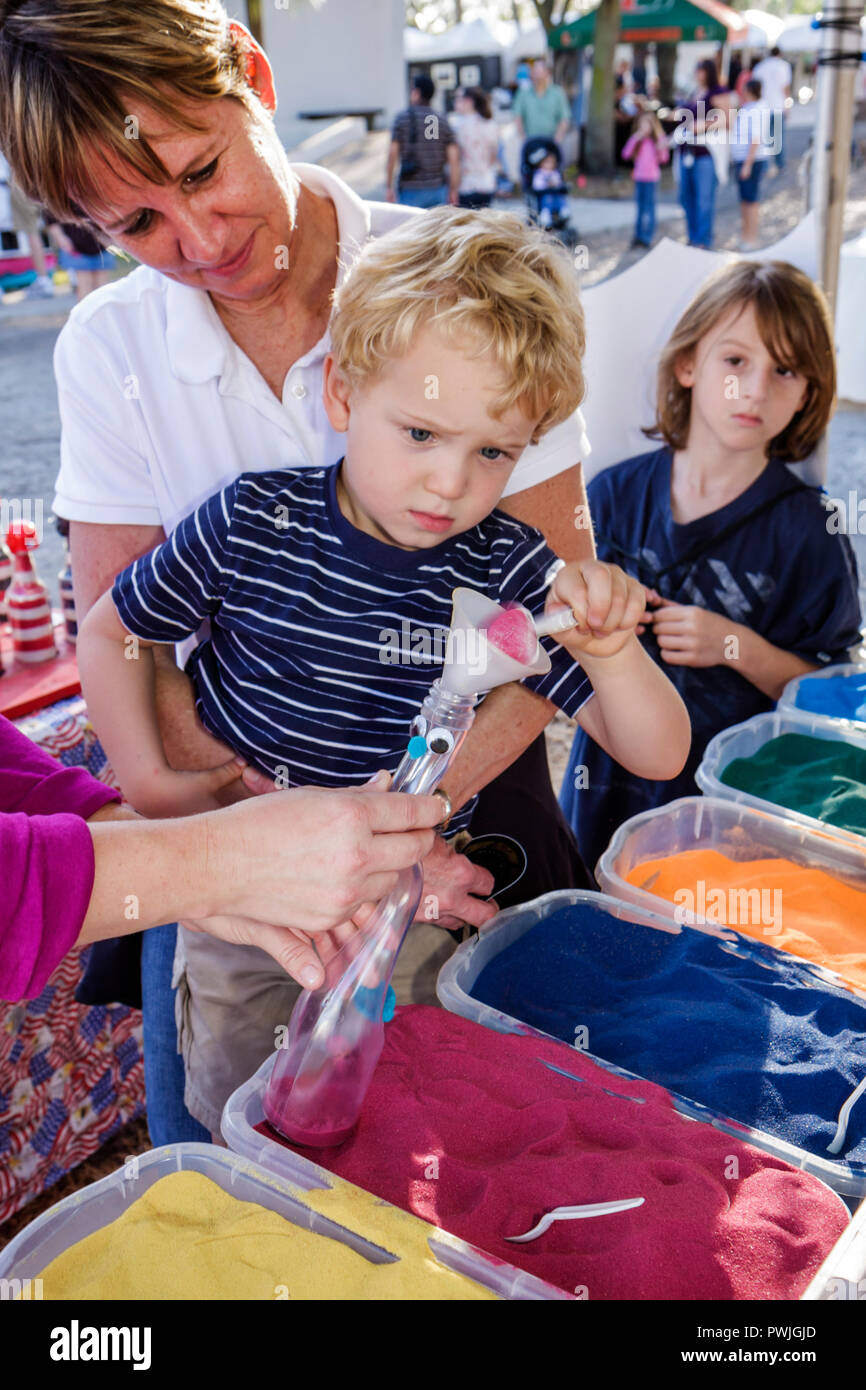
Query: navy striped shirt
[[323, 640]]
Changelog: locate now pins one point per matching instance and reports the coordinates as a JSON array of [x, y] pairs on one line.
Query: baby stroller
[[535, 149]]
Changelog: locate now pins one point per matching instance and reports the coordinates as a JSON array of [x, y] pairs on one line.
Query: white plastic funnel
[[472, 663]]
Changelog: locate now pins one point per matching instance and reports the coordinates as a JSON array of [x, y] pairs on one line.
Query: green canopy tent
[[648, 21]]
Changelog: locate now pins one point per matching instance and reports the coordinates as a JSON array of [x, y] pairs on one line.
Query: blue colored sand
[[842, 697], [737, 1027]]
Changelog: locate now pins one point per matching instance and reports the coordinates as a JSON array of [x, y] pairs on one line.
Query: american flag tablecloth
[[71, 1075]]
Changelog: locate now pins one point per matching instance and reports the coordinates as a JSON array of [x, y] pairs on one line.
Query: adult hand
[[390, 195], [691, 636], [309, 858], [456, 885], [453, 197], [301, 955], [454, 888]]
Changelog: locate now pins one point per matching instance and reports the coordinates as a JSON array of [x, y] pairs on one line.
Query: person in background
[[648, 148], [739, 87], [478, 141], [699, 178], [25, 222], [543, 108], [89, 264], [72, 855], [424, 147], [548, 183], [775, 76], [750, 582], [750, 152]]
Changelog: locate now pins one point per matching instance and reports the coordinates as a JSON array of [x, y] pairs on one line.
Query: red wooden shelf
[[25, 688]]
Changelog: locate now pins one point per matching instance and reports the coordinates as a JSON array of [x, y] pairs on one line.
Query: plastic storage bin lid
[[244, 1110], [84, 1212], [788, 698], [743, 740], [459, 974], [843, 1273], [741, 832]]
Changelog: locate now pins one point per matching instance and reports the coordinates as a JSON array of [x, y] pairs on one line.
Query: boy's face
[[548, 162], [739, 392], [425, 458]]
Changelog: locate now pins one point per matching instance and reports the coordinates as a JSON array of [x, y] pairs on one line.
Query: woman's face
[[224, 221]]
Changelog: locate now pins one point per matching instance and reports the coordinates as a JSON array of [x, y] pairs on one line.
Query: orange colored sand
[[805, 911]]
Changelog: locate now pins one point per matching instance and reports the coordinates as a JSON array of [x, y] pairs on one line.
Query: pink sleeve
[[628, 147], [31, 780], [662, 151], [48, 868]]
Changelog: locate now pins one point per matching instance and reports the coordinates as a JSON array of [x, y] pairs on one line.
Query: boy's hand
[[691, 636], [607, 603], [186, 793]]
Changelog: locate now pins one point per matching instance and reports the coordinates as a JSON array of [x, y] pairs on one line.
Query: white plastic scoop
[[576, 1214]]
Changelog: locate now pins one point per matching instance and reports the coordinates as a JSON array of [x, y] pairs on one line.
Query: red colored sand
[[512, 633], [467, 1129]]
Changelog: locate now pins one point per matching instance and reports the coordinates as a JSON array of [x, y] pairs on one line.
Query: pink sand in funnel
[[512, 632], [469, 1130]]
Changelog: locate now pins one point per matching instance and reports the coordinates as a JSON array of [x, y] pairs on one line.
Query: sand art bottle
[[336, 1035]]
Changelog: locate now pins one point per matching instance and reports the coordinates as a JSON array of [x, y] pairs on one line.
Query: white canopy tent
[[763, 31], [474, 36]]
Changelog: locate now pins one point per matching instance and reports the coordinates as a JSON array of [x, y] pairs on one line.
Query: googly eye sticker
[[440, 741]]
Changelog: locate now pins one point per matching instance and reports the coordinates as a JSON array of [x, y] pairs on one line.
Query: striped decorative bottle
[[5, 578], [64, 581], [27, 599]]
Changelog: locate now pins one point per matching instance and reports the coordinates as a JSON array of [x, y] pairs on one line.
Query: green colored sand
[[815, 776]]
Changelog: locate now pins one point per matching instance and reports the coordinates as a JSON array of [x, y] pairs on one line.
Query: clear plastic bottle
[[336, 1034]]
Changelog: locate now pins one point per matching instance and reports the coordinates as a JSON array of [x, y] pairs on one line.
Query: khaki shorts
[[229, 1003], [231, 999]]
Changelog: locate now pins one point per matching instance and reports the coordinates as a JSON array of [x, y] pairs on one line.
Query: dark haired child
[[750, 584]]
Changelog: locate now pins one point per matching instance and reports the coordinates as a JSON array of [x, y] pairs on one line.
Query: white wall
[[335, 55]]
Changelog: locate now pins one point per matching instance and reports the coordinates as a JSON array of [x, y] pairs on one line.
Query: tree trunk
[[666, 61], [599, 129]]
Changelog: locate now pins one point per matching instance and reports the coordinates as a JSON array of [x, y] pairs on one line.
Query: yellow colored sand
[[822, 918], [187, 1239]]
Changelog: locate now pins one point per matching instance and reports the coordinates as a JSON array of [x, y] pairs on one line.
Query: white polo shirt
[[160, 408], [774, 75]]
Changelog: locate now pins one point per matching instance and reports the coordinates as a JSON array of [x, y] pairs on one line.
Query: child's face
[[425, 458], [739, 392], [549, 162]]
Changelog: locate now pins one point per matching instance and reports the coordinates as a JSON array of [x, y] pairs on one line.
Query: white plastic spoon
[[575, 1214]]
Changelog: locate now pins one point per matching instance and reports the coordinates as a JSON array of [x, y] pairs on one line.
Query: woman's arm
[[265, 873]]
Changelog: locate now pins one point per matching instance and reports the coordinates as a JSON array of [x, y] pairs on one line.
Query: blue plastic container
[[836, 692], [686, 1052]]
